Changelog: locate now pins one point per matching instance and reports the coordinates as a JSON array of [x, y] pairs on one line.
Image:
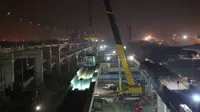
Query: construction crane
[[131, 87]]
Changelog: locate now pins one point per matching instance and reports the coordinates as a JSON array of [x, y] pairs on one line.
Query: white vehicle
[[184, 108], [107, 86]]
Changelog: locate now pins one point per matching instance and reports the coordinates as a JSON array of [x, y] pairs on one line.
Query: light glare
[[146, 38], [185, 37], [196, 98], [131, 58], [108, 58], [38, 108]]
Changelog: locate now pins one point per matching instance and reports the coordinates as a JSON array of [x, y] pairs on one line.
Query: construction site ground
[[105, 100]]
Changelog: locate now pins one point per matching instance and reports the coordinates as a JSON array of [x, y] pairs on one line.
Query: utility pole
[[22, 70], [178, 85], [193, 72], [120, 79]]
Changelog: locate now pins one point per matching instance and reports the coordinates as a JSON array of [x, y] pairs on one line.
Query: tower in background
[[130, 33]]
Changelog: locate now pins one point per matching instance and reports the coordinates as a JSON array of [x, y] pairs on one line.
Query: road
[[73, 102], [76, 101], [172, 84]]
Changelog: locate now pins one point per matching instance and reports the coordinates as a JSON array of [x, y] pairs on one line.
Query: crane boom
[[119, 46]]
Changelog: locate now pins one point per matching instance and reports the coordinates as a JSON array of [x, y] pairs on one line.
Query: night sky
[[161, 18]]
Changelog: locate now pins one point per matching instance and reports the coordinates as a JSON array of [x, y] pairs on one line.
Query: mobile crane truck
[[131, 87]]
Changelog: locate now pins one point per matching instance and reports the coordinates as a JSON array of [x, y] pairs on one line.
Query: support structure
[[149, 88], [77, 57], [58, 61], [23, 62], [69, 63], [47, 53], [84, 51], [37, 55], [70, 47], [39, 68], [56, 51], [27, 63], [8, 69], [161, 107], [7, 60]]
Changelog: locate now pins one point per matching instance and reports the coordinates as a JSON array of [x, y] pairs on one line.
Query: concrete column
[[70, 47], [22, 69], [77, 58], [27, 63], [56, 53], [89, 50], [58, 61], [84, 52], [150, 86], [77, 45], [164, 107], [69, 64], [39, 68], [158, 103], [150, 90], [161, 107], [47, 53], [8, 70], [76, 61]]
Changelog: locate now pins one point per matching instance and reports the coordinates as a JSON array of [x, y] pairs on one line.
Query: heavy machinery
[[85, 75], [90, 60], [131, 86]]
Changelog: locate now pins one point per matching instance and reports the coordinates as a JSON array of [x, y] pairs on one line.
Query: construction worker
[[139, 108]]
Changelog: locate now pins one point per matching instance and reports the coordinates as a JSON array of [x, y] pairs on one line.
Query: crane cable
[[90, 12]]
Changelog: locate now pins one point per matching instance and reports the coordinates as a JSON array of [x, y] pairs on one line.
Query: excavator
[[131, 87]]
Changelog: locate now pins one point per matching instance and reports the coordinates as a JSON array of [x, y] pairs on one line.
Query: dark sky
[[161, 18]]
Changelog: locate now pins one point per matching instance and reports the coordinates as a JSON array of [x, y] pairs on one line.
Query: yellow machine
[[90, 37], [131, 87]]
